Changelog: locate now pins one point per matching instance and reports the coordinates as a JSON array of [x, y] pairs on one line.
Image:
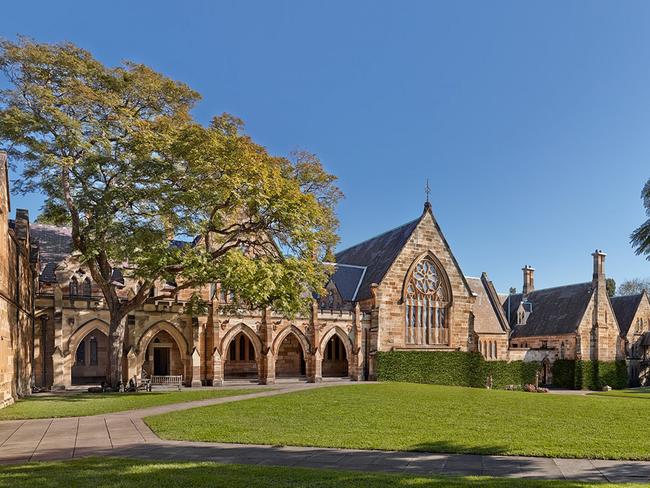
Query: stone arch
[[171, 329], [291, 353], [334, 366], [240, 366], [248, 332], [82, 331], [345, 338], [148, 335], [302, 339]]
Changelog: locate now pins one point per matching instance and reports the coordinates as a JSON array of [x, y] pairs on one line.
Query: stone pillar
[[196, 354], [217, 368], [266, 364], [315, 365], [355, 362], [61, 373]]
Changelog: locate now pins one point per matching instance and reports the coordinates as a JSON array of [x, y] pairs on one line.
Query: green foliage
[[454, 368], [611, 287], [120, 159], [640, 238], [589, 375]]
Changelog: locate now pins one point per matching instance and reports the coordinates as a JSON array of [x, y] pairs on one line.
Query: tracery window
[[426, 303], [87, 288], [73, 287]]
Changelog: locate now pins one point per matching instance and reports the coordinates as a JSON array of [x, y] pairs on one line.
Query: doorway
[[161, 361]]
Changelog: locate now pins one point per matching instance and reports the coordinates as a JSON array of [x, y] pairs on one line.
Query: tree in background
[[640, 238], [634, 286], [611, 287], [120, 160]]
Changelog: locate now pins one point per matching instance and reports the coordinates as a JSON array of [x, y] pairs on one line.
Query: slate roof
[[625, 308], [555, 311], [347, 279], [376, 255], [486, 311], [55, 244]]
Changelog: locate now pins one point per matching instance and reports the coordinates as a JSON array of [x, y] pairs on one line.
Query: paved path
[[125, 434]]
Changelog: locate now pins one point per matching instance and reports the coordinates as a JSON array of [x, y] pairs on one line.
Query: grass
[[127, 473], [411, 417], [83, 404], [643, 393]]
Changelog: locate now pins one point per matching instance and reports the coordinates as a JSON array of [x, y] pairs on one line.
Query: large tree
[[120, 160]]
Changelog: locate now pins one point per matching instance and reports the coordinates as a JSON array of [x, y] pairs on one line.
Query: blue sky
[[531, 119]]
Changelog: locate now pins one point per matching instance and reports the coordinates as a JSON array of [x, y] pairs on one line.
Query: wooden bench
[[158, 380]]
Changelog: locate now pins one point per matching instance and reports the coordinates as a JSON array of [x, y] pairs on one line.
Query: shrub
[[452, 368], [590, 375]]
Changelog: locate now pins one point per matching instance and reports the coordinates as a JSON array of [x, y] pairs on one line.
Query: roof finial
[[427, 191]]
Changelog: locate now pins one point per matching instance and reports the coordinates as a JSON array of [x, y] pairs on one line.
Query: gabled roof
[[376, 255], [625, 308], [347, 279], [488, 314], [55, 244], [555, 311]]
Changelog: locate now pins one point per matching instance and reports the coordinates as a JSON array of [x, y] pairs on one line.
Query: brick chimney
[[599, 267], [529, 280]]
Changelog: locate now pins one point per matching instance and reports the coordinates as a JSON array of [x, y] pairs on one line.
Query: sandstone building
[[403, 290]]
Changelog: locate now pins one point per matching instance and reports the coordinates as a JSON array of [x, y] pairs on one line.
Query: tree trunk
[[116, 334]]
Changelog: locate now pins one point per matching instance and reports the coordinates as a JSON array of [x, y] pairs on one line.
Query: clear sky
[[531, 119]]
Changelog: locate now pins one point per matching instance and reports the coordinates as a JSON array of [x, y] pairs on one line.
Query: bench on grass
[[167, 381]]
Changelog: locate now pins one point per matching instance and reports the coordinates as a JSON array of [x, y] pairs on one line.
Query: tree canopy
[[634, 286], [640, 238], [149, 190]]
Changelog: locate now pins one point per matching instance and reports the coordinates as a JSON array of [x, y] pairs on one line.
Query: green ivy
[[452, 368], [589, 375]]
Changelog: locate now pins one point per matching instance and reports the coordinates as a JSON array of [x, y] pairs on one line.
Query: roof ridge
[[378, 235], [552, 288]]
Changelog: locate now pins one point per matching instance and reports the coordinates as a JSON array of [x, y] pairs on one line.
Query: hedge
[[589, 375], [452, 368]]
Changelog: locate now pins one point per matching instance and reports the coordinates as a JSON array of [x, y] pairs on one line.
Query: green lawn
[[127, 473], [402, 416], [643, 393], [82, 404]]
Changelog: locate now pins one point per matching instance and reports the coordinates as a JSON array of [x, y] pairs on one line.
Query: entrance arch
[[88, 349], [241, 353], [336, 352], [163, 350], [291, 348], [546, 377]]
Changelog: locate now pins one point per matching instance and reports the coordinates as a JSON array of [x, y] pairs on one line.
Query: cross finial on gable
[[427, 191]]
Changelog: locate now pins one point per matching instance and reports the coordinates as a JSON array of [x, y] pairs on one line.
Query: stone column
[[197, 328], [315, 373], [356, 360], [266, 363], [217, 368], [61, 373]]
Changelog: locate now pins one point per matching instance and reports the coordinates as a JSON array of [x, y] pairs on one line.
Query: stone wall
[[17, 285]]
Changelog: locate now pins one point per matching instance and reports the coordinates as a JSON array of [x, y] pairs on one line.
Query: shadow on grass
[[112, 472]]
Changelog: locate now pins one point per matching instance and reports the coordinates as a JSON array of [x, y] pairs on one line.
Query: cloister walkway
[[125, 434]]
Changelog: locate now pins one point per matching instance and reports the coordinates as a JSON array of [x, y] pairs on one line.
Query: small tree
[[120, 160], [611, 287]]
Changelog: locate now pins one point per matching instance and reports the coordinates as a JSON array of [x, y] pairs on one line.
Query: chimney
[[529, 280], [599, 266]]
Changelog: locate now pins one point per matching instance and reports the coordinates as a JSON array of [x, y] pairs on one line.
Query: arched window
[[426, 304], [494, 349], [73, 287], [87, 288], [80, 359]]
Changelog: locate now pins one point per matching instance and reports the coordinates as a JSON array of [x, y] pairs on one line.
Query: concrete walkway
[[125, 434]]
